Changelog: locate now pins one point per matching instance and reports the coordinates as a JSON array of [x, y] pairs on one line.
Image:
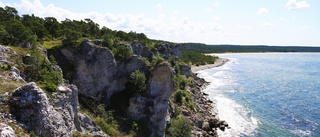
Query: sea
[[267, 94]]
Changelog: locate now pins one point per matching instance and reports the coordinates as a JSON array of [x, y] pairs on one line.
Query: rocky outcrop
[[153, 106], [5, 54], [95, 71], [57, 116], [92, 69], [160, 88], [167, 50], [6, 131], [32, 108]]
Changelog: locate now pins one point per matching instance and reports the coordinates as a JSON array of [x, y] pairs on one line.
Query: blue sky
[[252, 22]]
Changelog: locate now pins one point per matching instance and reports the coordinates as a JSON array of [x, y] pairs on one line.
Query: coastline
[[209, 119], [219, 62]]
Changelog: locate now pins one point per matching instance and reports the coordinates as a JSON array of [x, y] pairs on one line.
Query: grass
[[51, 44]]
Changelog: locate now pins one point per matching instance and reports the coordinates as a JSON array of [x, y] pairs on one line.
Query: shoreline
[[219, 62]]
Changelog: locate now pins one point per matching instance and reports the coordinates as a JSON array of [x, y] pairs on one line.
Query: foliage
[[52, 25], [203, 48], [180, 127], [70, 37], [104, 119], [197, 58], [42, 71], [137, 82], [181, 96], [78, 134], [122, 52], [14, 32], [156, 60]]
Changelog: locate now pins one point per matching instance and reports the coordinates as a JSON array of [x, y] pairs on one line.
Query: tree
[[180, 127], [8, 13], [35, 24], [52, 25], [71, 36], [15, 32]]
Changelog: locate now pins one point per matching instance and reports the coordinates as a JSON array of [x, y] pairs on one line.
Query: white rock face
[[57, 116], [155, 105], [6, 131]]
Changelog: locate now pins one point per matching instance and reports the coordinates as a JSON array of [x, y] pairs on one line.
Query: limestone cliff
[[58, 117], [155, 104]]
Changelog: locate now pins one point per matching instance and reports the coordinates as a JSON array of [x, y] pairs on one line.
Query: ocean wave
[[239, 118]]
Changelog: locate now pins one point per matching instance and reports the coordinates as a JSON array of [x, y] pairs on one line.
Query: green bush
[[122, 52], [180, 127], [137, 82]]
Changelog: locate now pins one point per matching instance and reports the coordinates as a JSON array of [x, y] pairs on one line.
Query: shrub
[[180, 127], [122, 52], [137, 82]]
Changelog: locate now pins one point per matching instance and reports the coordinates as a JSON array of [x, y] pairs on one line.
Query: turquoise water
[[267, 94]]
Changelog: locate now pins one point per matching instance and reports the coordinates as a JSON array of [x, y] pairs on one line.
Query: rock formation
[[6, 131], [154, 106], [58, 117]]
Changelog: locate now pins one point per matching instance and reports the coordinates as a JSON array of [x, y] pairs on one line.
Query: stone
[[93, 70], [177, 50], [185, 70], [6, 131], [33, 109], [160, 88], [206, 126], [136, 48], [85, 124], [146, 53], [98, 41], [26, 45]]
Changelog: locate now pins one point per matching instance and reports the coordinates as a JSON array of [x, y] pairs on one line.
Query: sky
[[241, 22]]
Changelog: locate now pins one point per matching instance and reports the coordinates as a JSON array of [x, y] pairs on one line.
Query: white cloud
[[208, 10], [216, 5], [282, 19], [244, 27], [267, 24], [175, 12], [159, 6], [294, 5], [304, 28], [263, 11], [2, 4]]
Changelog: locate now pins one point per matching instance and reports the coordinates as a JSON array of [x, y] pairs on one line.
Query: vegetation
[[18, 30], [180, 127], [181, 96], [39, 69], [203, 48], [122, 52], [137, 82], [196, 58]]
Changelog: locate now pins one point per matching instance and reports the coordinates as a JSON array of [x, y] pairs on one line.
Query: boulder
[[136, 48], [32, 108], [98, 41], [85, 124], [146, 53], [6, 131], [57, 116], [185, 70]]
